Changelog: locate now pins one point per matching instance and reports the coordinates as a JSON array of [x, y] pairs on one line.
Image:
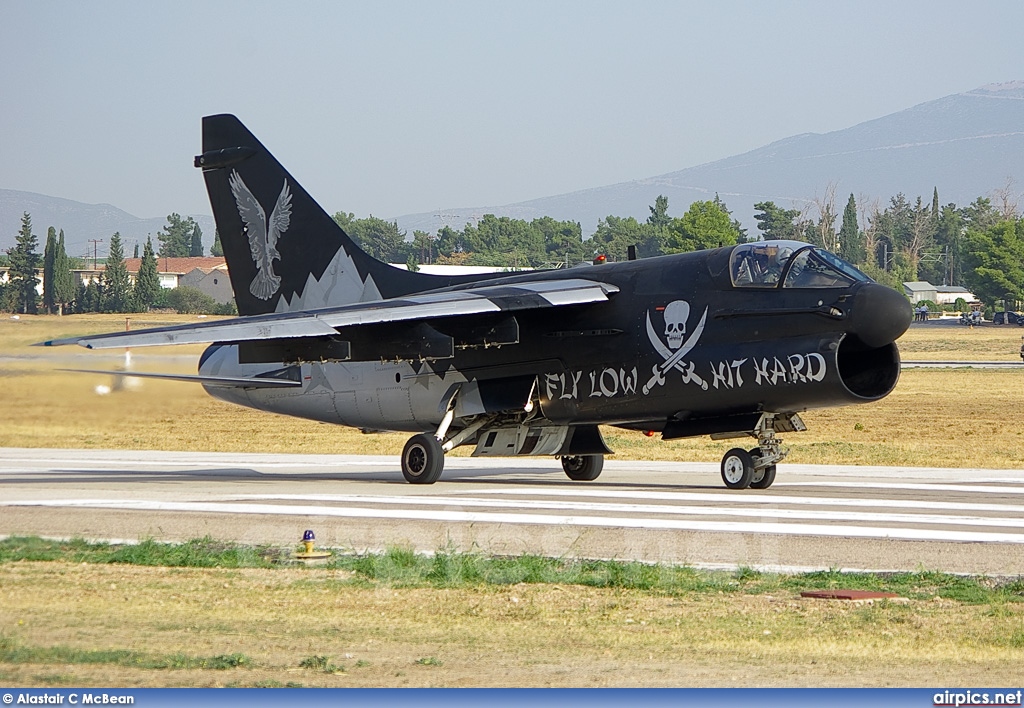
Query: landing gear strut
[[763, 475]]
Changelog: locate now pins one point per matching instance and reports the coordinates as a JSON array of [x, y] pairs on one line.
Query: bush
[[186, 300]]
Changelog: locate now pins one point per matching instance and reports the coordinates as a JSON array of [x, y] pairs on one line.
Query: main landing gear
[[583, 468], [422, 459], [755, 468]]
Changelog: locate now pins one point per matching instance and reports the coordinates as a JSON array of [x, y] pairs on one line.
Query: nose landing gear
[[755, 468]]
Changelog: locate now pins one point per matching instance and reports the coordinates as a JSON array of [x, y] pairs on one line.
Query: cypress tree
[[24, 261], [196, 248], [216, 249], [116, 283], [147, 281], [851, 240], [64, 286], [49, 258]]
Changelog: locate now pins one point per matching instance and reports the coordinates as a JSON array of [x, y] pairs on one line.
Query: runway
[[814, 517], [962, 365]]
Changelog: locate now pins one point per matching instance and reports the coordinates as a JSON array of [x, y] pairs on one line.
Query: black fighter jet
[[732, 342]]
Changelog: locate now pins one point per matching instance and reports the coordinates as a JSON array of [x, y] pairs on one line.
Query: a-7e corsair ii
[[730, 342]]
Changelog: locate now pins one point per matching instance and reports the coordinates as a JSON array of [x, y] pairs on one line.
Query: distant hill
[[966, 144], [81, 222]]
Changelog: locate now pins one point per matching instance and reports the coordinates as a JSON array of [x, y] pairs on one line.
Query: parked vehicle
[[1009, 317]]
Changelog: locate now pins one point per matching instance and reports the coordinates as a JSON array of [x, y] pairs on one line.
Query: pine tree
[[24, 261], [89, 297], [659, 217], [216, 249], [196, 249], [49, 257], [64, 287], [135, 252], [116, 283], [147, 281], [176, 237]]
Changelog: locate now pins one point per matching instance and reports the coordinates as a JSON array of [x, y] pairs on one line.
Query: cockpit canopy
[[789, 264]]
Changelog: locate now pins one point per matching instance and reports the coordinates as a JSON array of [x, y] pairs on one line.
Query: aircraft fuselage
[[679, 342]]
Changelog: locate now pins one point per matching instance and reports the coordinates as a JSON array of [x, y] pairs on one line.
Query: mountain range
[[82, 223], [966, 145]]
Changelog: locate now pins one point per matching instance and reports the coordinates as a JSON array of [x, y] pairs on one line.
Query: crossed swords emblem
[[674, 360]]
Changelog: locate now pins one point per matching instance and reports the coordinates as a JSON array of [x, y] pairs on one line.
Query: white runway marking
[[1017, 522], [748, 497], [863, 532], [913, 487]]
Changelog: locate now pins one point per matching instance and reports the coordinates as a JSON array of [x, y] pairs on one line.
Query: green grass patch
[[402, 567], [197, 553], [322, 664], [13, 651]]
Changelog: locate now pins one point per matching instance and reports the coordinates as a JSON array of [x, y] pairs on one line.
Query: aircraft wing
[[528, 295], [227, 381]]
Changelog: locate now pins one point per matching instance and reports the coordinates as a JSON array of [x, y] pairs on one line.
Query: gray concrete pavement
[[874, 518]]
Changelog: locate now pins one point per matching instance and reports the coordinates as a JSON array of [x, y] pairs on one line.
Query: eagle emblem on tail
[[263, 233]]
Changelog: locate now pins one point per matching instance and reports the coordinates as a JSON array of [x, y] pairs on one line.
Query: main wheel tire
[[422, 459], [583, 468], [737, 468], [764, 477]]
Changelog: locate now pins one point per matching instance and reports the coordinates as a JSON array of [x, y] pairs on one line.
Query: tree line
[[114, 290], [504, 242], [979, 246]]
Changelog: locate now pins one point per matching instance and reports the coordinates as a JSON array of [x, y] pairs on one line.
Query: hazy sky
[[389, 108]]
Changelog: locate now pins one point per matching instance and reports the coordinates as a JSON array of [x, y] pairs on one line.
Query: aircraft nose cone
[[880, 315]]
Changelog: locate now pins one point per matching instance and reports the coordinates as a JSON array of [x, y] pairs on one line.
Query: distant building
[[939, 294], [948, 294], [214, 282], [207, 273], [920, 290]]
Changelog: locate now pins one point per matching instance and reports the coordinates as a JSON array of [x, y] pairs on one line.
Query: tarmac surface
[[962, 365], [814, 517]]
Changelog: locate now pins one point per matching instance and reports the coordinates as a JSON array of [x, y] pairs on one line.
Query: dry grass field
[[936, 417], [143, 626]]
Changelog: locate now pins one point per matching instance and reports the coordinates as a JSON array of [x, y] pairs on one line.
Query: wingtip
[[57, 342]]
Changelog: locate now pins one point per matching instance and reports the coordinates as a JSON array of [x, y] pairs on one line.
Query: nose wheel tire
[[737, 468], [422, 459], [583, 468], [762, 478]]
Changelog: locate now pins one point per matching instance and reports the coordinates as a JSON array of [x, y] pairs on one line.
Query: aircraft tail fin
[[284, 252]]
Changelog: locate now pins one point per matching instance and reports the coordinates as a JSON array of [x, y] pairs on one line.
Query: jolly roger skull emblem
[[676, 314]]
